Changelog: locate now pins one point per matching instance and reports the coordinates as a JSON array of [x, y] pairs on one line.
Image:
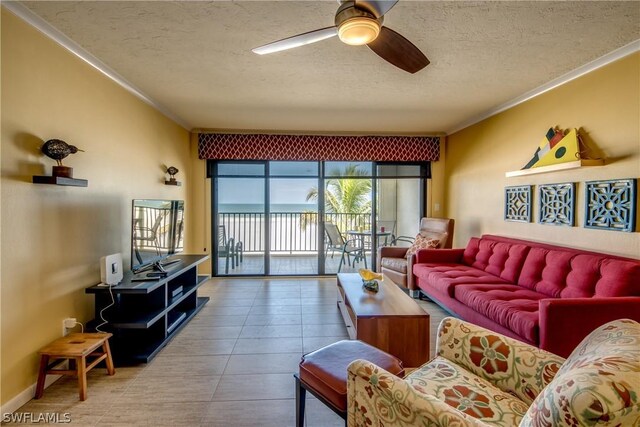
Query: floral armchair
[[481, 378]]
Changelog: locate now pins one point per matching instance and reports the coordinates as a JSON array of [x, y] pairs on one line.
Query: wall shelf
[[60, 180], [553, 168]]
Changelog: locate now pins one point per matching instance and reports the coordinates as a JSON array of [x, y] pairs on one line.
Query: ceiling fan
[[359, 22]]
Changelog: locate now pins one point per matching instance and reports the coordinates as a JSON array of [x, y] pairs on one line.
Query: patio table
[[364, 233]]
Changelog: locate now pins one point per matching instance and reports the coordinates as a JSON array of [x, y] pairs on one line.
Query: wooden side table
[[76, 348]]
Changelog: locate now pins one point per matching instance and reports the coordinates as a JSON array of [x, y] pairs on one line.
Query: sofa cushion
[[445, 277], [422, 242], [395, 264], [618, 278], [467, 392], [511, 306], [498, 258], [570, 274], [598, 383]]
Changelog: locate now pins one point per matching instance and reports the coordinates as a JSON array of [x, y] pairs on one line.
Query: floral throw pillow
[[422, 242]]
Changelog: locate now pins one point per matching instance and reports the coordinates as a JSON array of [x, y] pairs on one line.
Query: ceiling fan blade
[[296, 41], [377, 7], [397, 50]]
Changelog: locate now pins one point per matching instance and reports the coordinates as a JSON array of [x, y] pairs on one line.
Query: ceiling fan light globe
[[358, 31]]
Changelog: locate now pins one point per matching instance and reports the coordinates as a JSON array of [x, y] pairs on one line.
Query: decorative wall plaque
[[557, 204], [611, 205], [517, 203]]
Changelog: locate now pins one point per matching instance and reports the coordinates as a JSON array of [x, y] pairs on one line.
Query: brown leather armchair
[[392, 261]]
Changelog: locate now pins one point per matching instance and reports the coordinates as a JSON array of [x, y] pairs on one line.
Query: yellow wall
[[604, 103], [53, 236], [435, 199], [200, 212]]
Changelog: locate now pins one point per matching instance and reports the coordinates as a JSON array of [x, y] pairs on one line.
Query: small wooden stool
[[76, 348]]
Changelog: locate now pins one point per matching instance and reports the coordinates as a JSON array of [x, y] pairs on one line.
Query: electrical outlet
[[67, 324]]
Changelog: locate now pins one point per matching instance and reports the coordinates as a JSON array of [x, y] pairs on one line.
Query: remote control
[[157, 274]]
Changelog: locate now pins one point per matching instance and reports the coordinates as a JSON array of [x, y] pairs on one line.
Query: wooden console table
[[389, 319], [147, 314]]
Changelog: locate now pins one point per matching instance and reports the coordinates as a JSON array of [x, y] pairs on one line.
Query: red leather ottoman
[[324, 373]]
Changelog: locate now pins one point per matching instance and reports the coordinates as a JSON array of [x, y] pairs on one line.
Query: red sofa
[[546, 295]]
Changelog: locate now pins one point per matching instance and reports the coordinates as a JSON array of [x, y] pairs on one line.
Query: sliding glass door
[[293, 218], [239, 219], [309, 218], [399, 202], [348, 193]]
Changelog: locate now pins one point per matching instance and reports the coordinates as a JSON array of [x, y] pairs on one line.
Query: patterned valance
[[225, 146]]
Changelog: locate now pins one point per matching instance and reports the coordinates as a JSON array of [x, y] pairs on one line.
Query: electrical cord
[[81, 327], [105, 321]]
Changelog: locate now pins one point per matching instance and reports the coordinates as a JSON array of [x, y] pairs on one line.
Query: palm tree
[[344, 195]]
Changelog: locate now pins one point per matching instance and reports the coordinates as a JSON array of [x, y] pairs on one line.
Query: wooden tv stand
[[147, 314], [389, 319]]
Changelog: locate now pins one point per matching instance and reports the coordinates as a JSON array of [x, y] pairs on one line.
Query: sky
[[251, 190]]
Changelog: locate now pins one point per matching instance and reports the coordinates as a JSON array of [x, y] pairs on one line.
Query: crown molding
[[31, 18], [610, 57]]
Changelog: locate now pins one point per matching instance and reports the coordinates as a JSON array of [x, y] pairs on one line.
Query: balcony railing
[[290, 232], [151, 228]]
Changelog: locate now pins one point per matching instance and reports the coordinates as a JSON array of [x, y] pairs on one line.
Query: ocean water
[[259, 208]]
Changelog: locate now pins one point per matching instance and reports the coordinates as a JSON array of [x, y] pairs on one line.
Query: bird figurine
[[57, 150], [172, 171]]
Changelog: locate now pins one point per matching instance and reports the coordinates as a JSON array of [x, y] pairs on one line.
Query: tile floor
[[231, 366]]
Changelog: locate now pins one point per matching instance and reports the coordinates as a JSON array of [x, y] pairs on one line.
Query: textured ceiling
[[195, 59]]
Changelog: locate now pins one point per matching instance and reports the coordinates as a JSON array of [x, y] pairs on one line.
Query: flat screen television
[[157, 232]]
